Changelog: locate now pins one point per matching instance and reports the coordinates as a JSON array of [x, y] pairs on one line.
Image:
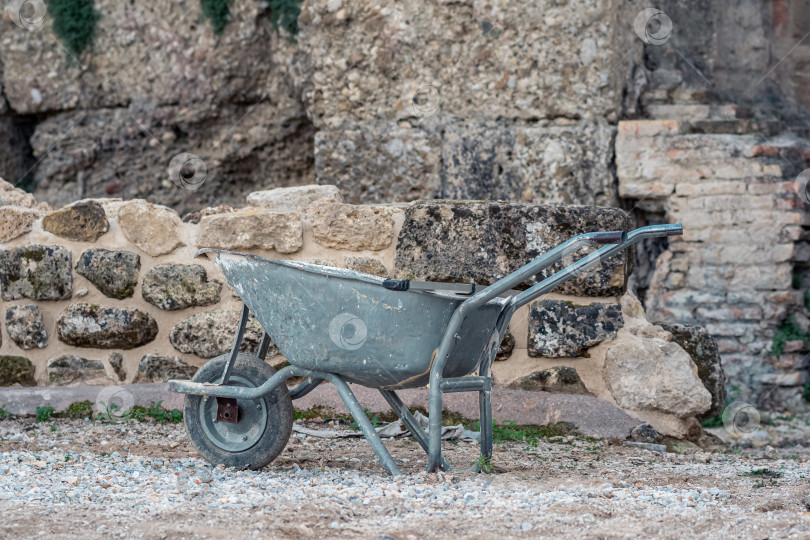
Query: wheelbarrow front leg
[[410, 422]]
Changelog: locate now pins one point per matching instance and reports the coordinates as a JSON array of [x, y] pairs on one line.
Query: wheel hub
[[250, 420]]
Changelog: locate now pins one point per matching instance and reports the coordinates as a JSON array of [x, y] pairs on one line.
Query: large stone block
[[293, 199], [93, 326], [557, 380], [561, 329], [114, 273], [37, 272], [70, 370], [557, 164], [212, 333], [153, 228], [16, 221], [16, 370], [25, 328], [379, 162], [252, 228], [484, 241], [179, 286], [352, 227], [702, 347], [83, 221], [160, 368]]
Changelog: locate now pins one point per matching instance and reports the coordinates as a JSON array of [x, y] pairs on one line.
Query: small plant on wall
[[217, 12], [74, 22]]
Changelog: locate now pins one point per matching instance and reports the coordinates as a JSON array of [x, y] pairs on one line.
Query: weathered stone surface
[[559, 329], [70, 370], [484, 241], [179, 286], [252, 228], [153, 228], [506, 347], [37, 272], [25, 328], [114, 273], [159, 368], [570, 164], [86, 325], [16, 370], [117, 364], [195, 217], [380, 162], [655, 375], [352, 227], [702, 347], [16, 221], [293, 199], [82, 221], [557, 380], [12, 196], [368, 265], [212, 333], [646, 434]]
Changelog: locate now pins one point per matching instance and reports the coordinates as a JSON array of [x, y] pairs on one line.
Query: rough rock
[[195, 217], [159, 368], [114, 273], [380, 162], [117, 364], [70, 370], [352, 227], [82, 221], [646, 434], [252, 228], [367, 265], [154, 229], [484, 241], [559, 329], [506, 347], [487, 159], [179, 286], [702, 347], [16, 221], [557, 380], [87, 325], [212, 333], [645, 374], [25, 328], [12, 196], [16, 370], [293, 199], [37, 272]]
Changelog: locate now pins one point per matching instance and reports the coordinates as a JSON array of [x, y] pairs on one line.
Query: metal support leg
[[410, 422], [485, 421], [435, 422], [264, 345], [365, 425], [237, 343]]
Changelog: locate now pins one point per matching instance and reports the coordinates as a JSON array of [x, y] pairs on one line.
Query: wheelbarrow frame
[[501, 293]]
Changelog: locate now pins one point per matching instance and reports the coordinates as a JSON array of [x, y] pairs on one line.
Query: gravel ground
[[145, 480]]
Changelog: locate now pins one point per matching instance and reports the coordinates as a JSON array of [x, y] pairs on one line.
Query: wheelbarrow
[[343, 326]]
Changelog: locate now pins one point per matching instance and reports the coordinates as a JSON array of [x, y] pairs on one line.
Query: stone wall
[[106, 291]]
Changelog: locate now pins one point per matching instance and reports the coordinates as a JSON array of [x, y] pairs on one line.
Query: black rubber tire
[[279, 415]]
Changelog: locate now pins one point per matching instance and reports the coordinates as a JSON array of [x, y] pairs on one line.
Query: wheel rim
[[245, 433]]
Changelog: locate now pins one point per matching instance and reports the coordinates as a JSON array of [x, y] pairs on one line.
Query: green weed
[[284, 15], [483, 464], [788, 331], [74, 22], [77, 411], [44, 414], [375, 421], [155, 411], [768, 473], [216, 11], [4, 413]]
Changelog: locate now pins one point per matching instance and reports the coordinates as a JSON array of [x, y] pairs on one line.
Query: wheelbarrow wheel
[[263, 425]]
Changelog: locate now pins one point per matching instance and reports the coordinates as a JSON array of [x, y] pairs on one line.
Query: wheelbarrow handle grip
[[608, 237], [396, 284]]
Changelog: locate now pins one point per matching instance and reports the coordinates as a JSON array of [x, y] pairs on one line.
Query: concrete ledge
[[591, 416]]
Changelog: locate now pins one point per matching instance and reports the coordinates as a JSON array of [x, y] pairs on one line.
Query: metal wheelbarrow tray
[[343, 326]]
